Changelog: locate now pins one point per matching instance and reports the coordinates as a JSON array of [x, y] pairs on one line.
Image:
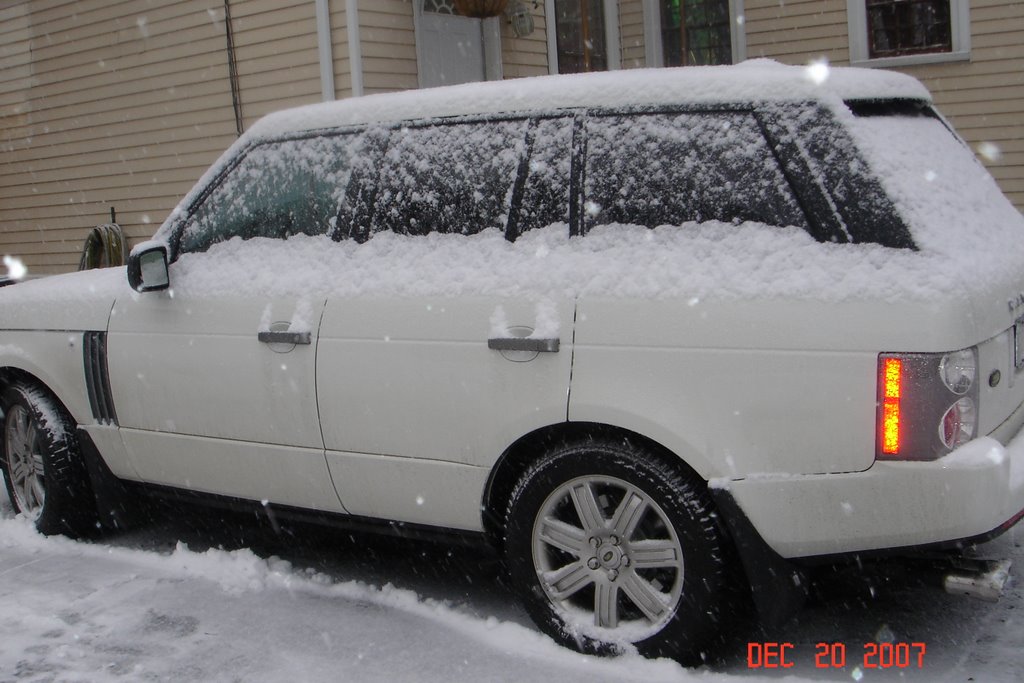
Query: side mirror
[[147, 268]]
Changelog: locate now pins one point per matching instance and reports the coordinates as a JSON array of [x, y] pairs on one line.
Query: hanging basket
[[480, 9]]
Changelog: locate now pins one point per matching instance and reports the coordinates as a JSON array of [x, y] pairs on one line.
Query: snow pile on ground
[[81, 612], [112, 611]]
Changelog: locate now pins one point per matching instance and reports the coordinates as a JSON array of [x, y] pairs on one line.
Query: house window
[[695, 32], [580, 35], [904, 32], [908, 27]]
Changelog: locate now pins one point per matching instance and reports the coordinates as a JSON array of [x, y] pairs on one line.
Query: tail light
[[927, 403]]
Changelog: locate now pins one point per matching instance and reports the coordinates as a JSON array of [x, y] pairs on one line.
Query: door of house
[[451, 47]]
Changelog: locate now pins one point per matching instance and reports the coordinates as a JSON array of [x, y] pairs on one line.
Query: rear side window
[[449, 178], [856, 196], [277, 190], [676, 168]]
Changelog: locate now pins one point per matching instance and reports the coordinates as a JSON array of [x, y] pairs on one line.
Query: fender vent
[[96, 378]]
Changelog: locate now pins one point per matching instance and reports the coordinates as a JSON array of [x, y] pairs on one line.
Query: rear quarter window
[[677, 168]]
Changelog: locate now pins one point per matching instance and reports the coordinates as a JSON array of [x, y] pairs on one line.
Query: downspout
[[236, 95], [323, 38], [355, 49]]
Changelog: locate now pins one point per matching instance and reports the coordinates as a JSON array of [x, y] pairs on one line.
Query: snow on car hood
[[74, 301]]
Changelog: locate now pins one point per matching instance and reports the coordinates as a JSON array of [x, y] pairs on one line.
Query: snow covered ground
[[209, 597]]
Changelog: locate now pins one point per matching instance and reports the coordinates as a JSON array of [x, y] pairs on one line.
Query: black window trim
[[808, 190]]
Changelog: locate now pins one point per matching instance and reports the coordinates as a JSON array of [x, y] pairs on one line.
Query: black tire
[[46, 477], [609, 547]]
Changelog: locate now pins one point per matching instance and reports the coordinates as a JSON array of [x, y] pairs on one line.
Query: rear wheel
[[610, 547], [46, 478]]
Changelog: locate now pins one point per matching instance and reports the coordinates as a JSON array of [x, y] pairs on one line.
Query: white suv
[[651, 333]]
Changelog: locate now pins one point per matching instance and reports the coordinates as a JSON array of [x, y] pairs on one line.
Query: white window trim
[[355, 46], [960, 20], [653, 51], [611, 35], [326, 56]]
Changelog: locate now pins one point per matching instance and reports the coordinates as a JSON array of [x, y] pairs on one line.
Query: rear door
[[421, 388]]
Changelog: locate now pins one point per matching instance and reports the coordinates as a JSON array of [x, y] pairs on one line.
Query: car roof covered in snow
[[752, 81]]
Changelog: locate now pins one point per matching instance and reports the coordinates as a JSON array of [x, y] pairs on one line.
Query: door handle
[[285, 337], [523, 344]]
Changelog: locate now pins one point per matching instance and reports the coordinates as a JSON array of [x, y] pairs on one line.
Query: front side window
[[277, 190], [674, 169], [580, 32], [908, 27], [696, 32]]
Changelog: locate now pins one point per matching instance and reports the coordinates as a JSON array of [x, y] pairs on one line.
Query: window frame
[[654, 48], [960, 36], [611, 35]]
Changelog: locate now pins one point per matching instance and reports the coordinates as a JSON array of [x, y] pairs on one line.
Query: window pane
[[696, 32], [671, 169], [277, 190], [454, 178], [579, 26], [908, 27]]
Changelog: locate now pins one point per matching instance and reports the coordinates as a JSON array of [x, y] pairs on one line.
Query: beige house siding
[[631, 34], [388, 36], [983, 98], [108, 112], [277, 57], [125, 104], [797, 30]]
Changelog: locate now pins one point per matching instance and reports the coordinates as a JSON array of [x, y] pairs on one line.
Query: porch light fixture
[[520, 18]]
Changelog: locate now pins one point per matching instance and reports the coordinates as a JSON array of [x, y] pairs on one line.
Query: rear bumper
[[977, 489]]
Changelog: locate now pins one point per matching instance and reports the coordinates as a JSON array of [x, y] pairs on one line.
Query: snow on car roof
[[755, 80], [750, 81]]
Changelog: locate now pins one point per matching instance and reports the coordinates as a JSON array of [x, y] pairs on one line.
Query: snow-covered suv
[[650, 332]]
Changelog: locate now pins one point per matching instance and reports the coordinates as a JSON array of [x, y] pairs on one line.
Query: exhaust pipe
[[980, 579]]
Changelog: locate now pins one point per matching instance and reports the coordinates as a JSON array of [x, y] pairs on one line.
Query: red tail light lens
[[892, 387], [927, 404]]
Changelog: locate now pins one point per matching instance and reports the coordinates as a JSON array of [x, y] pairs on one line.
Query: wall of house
[[388, 38], [983, 98], [276, 53], [101, 107], [631, 34], [125, 104]]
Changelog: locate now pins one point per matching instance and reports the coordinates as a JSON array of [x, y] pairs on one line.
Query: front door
[[213, 380], [451, 48], [217, 394]]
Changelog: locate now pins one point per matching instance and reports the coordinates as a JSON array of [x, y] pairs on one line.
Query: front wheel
[[46, 478], [609, 546]]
